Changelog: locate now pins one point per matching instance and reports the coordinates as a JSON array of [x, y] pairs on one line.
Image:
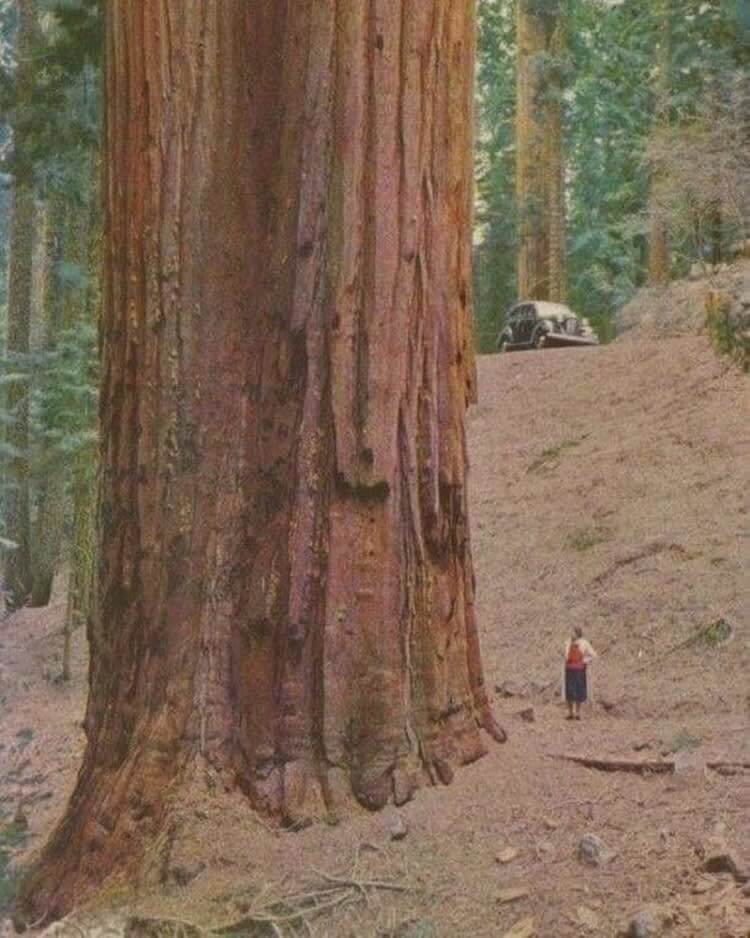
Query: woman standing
[[578, 655]]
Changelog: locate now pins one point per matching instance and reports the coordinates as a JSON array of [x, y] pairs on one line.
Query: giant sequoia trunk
[[539, 151], [285, 583], [17, 519]]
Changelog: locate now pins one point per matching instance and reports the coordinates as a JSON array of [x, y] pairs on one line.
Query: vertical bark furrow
[[285, 586]]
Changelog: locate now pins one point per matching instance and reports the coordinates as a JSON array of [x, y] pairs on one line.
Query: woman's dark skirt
[[575, 686]]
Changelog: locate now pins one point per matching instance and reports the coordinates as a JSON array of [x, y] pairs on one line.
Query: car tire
[[539, 339], [503, 346]]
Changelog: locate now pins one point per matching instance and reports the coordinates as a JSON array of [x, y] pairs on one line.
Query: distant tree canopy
[[610, 142]]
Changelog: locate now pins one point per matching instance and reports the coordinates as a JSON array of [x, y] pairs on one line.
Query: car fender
[[504, 336], [541, 328]]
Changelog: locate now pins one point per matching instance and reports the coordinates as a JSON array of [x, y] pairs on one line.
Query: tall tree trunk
[[84, 231], [83, 553], [22, 219], [285, 581], [50, 483], [539, 152], [555, 175], [659, 256]]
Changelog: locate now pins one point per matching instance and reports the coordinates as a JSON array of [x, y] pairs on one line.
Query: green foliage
[[63, 381], [12, 837], [549, 458], [717, 633], [49, 138], [726, 332], [609, 104], [683, 741], [583, 539], [58, 121]]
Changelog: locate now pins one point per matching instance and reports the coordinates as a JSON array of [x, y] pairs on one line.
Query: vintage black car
[[539, 324]]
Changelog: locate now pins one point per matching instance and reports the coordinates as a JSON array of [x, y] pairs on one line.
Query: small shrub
[[683, 741], [717, 633], [12, 836], [725, 331], [585, 538], [549, 458]]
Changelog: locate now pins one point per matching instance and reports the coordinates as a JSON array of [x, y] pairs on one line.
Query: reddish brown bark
[[540, 191], [286, 586]]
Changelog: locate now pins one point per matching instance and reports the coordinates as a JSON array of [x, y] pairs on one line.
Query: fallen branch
[[635, 767], [649, 550], [728, 768], [699, 635]]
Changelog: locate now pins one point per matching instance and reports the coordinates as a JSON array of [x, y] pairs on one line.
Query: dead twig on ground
[[329, 892], [637, 767], [728, 767]]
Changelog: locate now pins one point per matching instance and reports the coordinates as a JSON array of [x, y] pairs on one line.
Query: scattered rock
[[398, 828], [528, 715], [718, 857], [551, 824], [522, 929], [587, 918], [511, 688], [542, 688], [513, 894], [545, 848], [649, 922], [594, 851], [508, 855], [639, 747], [184, 873]]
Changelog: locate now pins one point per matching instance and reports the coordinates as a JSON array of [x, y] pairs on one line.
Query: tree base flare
[[138, 841]]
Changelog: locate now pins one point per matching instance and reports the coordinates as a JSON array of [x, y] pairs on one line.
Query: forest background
[[641, 110]]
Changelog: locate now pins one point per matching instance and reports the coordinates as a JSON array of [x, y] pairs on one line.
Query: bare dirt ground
[[610, 489]]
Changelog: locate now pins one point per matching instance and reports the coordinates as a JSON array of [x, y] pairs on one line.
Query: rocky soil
[[610, 490]]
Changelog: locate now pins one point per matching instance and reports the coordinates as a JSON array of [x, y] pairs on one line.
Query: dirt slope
[[610, 489]]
